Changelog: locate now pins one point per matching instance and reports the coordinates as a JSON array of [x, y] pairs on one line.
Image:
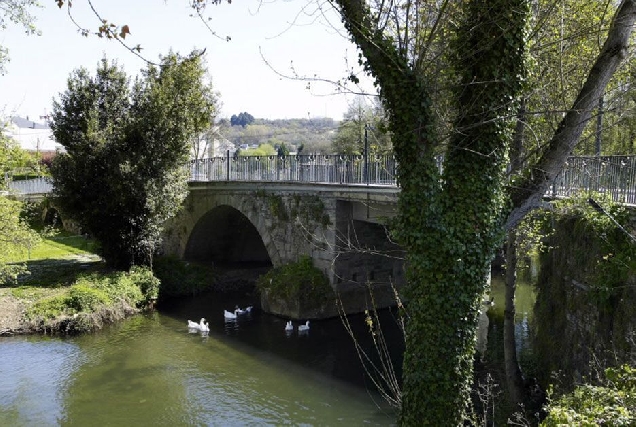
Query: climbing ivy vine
[[449, 225]]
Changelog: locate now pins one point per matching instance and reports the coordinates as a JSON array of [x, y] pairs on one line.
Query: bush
[[84, 298], [610, 405], [137, 288], [48, 308], [297, 280]]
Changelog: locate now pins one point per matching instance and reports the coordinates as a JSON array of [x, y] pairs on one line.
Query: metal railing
[[317, 168], [613, 175], [41, 185]]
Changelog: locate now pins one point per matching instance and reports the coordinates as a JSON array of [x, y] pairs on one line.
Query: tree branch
[[528, 194]]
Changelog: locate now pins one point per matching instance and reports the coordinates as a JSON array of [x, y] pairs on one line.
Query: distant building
[[32, 136], [220, 146]]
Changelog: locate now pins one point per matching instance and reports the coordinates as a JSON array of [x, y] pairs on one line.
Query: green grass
[[62, 245]]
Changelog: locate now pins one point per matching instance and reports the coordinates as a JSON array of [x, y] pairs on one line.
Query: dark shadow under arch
[[52, 218], [226, 237]]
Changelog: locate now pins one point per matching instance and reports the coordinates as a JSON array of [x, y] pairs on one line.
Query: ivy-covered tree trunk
[[448, 264], [450, 225]]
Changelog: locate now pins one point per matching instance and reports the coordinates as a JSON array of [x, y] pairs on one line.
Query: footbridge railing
[[613, 175]]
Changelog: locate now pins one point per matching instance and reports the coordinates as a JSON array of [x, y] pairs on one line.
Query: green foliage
[[122, 175], [15, 236], [262, 150], [314, 134], [309, 210], [298, 280], [350, 137], [609, 257], [243, 119], [588, 405], [178, 277], [82, 297], [277, 207], [91, 292], [13, 159]]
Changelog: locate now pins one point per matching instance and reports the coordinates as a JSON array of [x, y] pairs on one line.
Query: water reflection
[[151, 370], [35, 376]]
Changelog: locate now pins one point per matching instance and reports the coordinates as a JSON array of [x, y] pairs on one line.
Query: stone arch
[[224, 234], [51, 217]]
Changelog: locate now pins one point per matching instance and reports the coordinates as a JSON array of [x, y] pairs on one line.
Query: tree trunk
[[514, 377]]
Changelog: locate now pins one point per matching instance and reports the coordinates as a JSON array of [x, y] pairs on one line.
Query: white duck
[[203, 326], [229, 315], [289, 327], [304, 328], [194, 325], [248, 309], [237, 310]]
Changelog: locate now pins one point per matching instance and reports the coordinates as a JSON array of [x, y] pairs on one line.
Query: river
[[149, 370]]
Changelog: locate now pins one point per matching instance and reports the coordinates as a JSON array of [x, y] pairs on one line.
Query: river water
[[150, 370]]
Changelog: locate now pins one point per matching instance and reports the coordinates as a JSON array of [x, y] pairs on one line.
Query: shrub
[[85, 298], [610, 405], [296, 280]]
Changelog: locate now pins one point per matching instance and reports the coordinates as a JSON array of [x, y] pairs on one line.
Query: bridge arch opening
[[227, 238], [52, 218]]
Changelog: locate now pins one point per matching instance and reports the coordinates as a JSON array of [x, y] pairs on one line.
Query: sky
[[270, 43]]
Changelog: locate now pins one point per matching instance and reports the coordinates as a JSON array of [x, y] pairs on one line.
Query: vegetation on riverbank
[[297, 280], [69, 289]]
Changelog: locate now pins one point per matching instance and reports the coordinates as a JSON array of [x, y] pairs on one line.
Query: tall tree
[[15, 234], [363, 125], [451, 224], [122, 175]]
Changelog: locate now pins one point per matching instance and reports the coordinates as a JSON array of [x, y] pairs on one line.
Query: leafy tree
[[243, 119], [451, 224], [361, 122], [15, 235], [12, 158], [122, 175], [282, 150], [262, 150]]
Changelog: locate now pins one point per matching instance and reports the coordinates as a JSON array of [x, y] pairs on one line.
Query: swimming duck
[[229, 315], [289, 327], [194, 325], [304, 328], [203, 326]]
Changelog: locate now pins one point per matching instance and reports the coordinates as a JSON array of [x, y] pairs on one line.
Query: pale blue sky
[[280, 29]]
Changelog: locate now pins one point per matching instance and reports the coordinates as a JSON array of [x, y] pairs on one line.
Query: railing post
[[227, 163], [366, 154]]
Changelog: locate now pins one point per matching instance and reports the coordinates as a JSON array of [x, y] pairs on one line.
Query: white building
[[32, 136]]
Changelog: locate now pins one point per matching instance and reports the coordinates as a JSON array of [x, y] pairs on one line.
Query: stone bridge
[[273, 223]]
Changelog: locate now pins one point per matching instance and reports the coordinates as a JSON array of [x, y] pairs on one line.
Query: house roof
[[31, 136]]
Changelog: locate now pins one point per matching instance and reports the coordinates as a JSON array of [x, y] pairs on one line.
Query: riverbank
[[73, 294], [77, 293]]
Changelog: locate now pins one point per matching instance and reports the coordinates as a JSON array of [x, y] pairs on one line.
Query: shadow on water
[[326, 347]]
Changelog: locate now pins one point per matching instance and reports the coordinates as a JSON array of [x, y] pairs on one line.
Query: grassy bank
[[69, 289]]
